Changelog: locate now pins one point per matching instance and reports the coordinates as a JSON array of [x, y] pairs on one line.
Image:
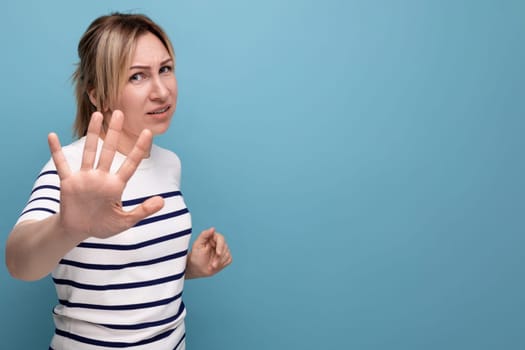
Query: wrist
[[66, 235], [192, 270]]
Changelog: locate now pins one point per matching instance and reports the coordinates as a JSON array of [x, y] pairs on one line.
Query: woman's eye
[[137, 77], [165, 69]]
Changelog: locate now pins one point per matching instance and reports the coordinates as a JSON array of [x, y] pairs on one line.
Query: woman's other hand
[[209, 255]]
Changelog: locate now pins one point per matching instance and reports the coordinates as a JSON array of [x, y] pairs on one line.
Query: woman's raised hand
[[90, 199]]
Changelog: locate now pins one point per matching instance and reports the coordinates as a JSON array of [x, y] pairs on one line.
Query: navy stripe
[[180, 341], [38, 209], [147, 324], [135, 246], [119, 285], [112, 344], [51, 187], [44, 198], [49, 172], [122, 307], [162, 217], [142, 199], [123, 266]]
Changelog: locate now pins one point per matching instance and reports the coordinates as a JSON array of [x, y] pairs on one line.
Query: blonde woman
[[106, 216]]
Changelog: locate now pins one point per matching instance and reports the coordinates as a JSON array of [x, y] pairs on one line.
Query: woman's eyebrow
[[138, 66]]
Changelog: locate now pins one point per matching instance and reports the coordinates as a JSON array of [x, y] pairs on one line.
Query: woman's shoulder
[[168, 161], [164, 156], [75, 148]]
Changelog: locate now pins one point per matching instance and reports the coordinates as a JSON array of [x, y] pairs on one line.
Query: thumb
[[206, 235], [148, 207]]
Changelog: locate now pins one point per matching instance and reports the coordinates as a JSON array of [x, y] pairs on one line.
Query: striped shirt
[[124, 291]]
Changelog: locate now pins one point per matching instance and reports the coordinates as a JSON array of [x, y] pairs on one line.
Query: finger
[[215, 263], [147, 208], [90, 146], [220, 244], [221, 261], [60, 161], [226, 258], [139, 151], [218, 252], [110, 141], [206, 236]]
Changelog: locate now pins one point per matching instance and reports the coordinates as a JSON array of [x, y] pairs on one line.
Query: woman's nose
[[159, 90]]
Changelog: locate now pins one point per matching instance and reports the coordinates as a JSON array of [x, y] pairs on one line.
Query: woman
[[106, 216]]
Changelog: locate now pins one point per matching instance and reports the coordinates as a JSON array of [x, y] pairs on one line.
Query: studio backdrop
[[364, 160]]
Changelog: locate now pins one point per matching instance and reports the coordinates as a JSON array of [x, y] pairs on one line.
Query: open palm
[[90, 199]]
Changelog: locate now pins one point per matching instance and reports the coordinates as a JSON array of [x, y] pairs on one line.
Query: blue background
[[363, 158]]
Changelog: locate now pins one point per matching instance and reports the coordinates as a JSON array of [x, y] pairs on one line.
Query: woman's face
[[149, 97]]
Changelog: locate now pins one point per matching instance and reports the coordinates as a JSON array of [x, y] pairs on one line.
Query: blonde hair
[[105, 51]]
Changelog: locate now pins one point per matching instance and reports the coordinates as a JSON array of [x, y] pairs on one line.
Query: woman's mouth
[[160, 111]]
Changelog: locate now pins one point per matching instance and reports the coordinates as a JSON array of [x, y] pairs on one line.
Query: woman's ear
[[93, 99]]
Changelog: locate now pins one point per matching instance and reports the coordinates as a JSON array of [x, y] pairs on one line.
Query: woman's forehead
[[149, 49]]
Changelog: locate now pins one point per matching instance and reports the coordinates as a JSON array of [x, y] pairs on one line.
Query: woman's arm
[[35, 247]]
